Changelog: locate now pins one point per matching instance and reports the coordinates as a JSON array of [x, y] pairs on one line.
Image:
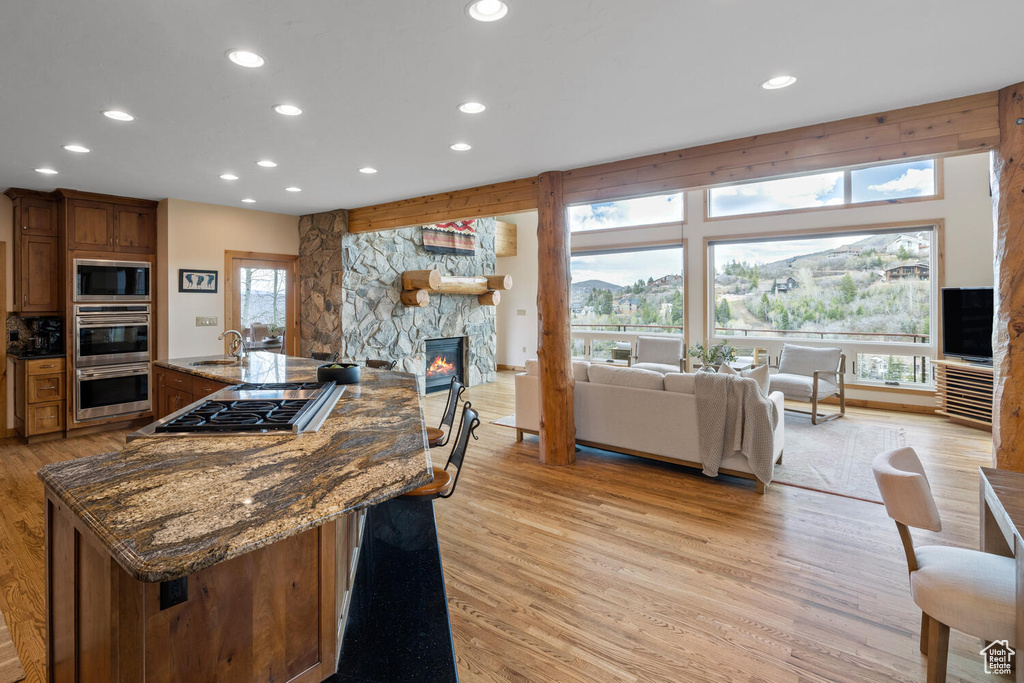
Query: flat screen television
[[967, 323]]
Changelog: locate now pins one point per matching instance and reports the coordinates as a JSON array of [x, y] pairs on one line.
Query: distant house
[[912, 271], [627, 304], [671, 279], [912, 244], [847, 251], [787, 285]]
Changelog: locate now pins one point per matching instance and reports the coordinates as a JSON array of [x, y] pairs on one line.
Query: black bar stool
[[444, 483], [438, 436], [381, 364]]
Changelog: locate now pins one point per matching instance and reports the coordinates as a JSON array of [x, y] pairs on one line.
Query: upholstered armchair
[[662, 354], [968, 590], [809, 373]]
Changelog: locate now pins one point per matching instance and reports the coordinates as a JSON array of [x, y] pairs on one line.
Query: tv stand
[[963, 392]]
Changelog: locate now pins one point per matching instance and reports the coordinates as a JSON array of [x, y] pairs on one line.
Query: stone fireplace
[[444, 360], [350, 292]]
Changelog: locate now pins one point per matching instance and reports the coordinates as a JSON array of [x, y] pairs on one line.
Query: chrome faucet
[[236, 347]]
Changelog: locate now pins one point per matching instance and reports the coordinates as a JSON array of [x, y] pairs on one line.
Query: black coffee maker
[[46, 337]]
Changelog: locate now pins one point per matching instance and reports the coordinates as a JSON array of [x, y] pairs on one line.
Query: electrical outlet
[[520, 311], [524, 349], [206, 321]]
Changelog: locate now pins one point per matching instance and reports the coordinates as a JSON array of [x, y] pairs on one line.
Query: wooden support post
[[489, 299], [416, 298], [1008, 211], [554, 352]]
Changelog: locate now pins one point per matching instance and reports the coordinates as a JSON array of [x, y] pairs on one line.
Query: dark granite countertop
[[168, 507]]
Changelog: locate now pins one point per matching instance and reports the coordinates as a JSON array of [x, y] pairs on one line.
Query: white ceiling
[[566, 82]]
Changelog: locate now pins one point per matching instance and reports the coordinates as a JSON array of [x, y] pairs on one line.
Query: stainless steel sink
[[221, 361]]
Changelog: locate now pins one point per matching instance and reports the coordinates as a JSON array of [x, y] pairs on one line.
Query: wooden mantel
[[417, 284]]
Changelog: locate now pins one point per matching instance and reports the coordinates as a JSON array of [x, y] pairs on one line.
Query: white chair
[[809, 373], [663, 354], [968, 590]]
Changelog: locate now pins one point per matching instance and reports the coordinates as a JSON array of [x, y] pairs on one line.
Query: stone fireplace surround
[[350, 287]]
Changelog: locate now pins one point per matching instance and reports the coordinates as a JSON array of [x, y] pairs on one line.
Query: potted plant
[[711, 357]]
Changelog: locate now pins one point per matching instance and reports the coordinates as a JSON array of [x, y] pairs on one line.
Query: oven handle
[[107, 322], [94, 374]]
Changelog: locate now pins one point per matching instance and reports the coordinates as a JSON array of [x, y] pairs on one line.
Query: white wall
[[194, 235], [517, 334], [966, 208]]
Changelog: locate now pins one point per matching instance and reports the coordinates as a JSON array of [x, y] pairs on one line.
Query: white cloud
[[778, 195], [915, 182], [639, 211]]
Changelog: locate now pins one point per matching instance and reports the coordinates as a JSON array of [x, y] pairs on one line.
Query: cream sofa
[[636, 412]]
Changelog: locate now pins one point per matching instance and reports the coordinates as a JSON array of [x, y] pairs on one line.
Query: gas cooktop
[[253, 408]]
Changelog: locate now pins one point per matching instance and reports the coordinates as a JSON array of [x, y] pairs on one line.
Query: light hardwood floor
[[621, 569]]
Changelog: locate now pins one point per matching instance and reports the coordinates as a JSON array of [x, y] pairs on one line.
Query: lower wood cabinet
[[274, 614], [174, 390], [40, 396]]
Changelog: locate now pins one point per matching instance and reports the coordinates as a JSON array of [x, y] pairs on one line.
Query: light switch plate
[[520, 311], [206, 321]]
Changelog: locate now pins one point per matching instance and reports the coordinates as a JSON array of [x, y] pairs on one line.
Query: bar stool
[[444, 483], [324, 355], [438, 436], [381, 364]]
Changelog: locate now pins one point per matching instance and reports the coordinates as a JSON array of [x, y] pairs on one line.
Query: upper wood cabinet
[[95, 223], [135, 229], [90, 225], [38, 277]]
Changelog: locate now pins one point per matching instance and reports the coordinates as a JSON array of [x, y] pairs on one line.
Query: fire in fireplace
[[443, 361]]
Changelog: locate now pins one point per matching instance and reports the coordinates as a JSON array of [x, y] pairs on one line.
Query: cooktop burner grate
[[255, 413]]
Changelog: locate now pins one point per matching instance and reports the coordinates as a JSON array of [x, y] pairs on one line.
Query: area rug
[[835, 457], [10, 665], [832, 457]]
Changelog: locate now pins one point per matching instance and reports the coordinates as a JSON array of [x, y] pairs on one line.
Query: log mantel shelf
[[418, 284]]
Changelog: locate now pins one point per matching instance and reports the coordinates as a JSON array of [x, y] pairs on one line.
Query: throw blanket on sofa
[[733, 415]]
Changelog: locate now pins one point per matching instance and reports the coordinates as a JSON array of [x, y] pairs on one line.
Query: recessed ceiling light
[[47, 171], [487, 10], [293, 189], [368, 170], [249, 201], [266, 163], [471, 107], [118, 115], [246, 58], [287, 109], [228, 176], [461, 147], [778, 82], [77, 148]]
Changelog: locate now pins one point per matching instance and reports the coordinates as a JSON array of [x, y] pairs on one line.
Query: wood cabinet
[[40, 396], [174, 390], [111, 226], [38, 281], [963, 392]]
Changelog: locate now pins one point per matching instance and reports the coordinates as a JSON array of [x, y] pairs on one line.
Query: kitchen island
[[224, 557]]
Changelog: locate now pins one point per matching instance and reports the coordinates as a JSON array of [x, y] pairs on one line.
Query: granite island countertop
[[169, 507]]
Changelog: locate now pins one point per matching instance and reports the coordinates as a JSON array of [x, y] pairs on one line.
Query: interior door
[[264, 300]]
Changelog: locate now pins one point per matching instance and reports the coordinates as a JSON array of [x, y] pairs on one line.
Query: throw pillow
[[759, 374]]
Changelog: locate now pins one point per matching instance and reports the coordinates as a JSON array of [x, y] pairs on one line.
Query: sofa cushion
[[760, 374], [805, 360], [681, 382], [579, 369], [800, 386], [625, 377], [663, 368], [665, 350]]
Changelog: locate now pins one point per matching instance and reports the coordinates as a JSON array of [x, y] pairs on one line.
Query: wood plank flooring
[[621, 569]]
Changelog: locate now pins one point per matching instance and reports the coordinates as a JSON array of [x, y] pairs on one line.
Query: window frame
[[638, 226], [850, 348], [847, 192], [626, 247]]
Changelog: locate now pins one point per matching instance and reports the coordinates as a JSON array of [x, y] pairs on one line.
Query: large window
[[870, 292], [889, 182], [639, 291], [655, 210]]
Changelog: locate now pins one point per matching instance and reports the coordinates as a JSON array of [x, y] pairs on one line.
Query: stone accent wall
[[350, 296], [320, 291]]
